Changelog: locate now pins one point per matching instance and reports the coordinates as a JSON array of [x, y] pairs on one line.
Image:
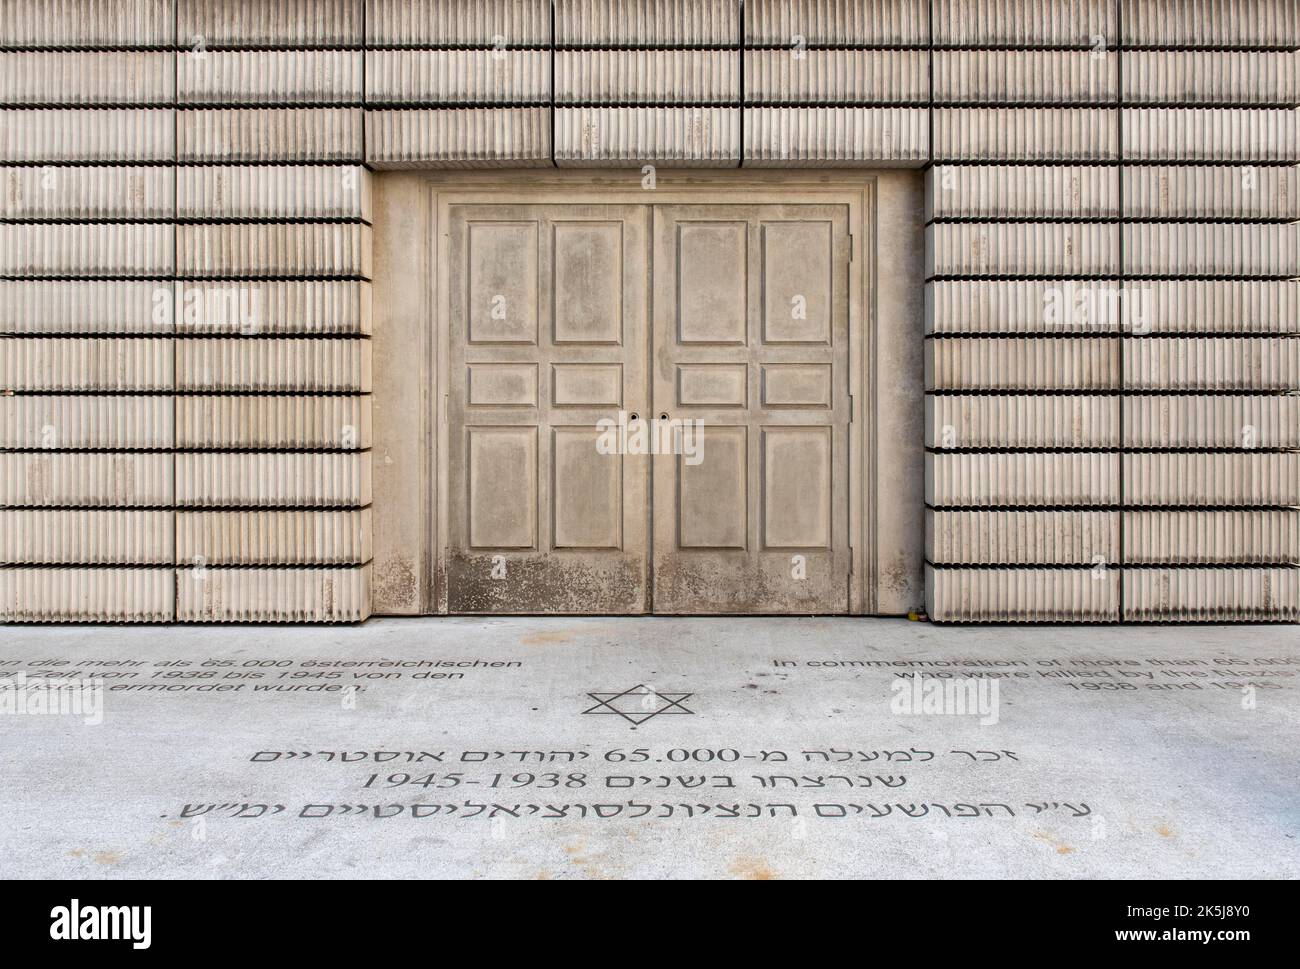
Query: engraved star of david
[[639, 704]]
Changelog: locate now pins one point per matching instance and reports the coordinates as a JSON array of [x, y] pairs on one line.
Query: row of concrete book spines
[[1084, 538], [343, 249], [1111, 594], [190, 594], [216, 479], [278, 365], [316, 23], [1136, 479], [339, 537], [46, 421], [1179, 365], [185, 538], [538, 136], [660, 77], [296, 193], [952, 594], [953, 421], [192, 479]]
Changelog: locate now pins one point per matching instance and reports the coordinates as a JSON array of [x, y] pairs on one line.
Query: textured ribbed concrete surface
[[471, 749], [1077, 151]]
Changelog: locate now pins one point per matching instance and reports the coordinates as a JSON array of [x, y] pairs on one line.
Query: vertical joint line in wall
[[176, 174], [740, 93], [1123, 338], [550, 87], [929, 80], [365, 57]]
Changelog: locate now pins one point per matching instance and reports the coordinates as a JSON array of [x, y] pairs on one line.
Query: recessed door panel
[[751, 340], [547, 337]]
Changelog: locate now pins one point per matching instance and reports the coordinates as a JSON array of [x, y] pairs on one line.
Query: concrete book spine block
[[85, 306], [1022, 595], [54, 135], [252, 365], [1211, 595], [86, 365], [957, 480], [244, 307], [1024, 77], [85, 480], [630, 77], [1200, 249], [284, 23], [702, 137], [1022, 249], [456, 23], [84, 421], [1022, 192], [273, 595], [1021, 537], [1026, 134], [279, 77], [650, 23], [1211, 192], [227, 250], [857, 23], [1259, 537], [1062, 421], [1024, 23], [1211, 23], [77, 23], [1043, 306], [89, 192], [81, 537], [86, 249], [1212, 364], [459, 138], [1223, 306], [777, 76], [1211, 134], [270, 423], [86, 595], [274, 192], [273, 537], [269, 135], [780, 137], [307, 480], [1211, 77], [496, 75], [1250, 478], [1219, 421], [38, 78], [1028, 364]]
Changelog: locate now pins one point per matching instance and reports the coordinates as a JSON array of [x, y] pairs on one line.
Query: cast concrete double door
[[650, 318]]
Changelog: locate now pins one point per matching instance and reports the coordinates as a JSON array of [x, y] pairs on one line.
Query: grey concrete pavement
[[653, 747]]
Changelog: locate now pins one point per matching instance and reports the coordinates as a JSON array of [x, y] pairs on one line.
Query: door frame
[[857, 190]]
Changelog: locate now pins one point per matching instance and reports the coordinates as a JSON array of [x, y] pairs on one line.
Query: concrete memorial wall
[[1112, 316]]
